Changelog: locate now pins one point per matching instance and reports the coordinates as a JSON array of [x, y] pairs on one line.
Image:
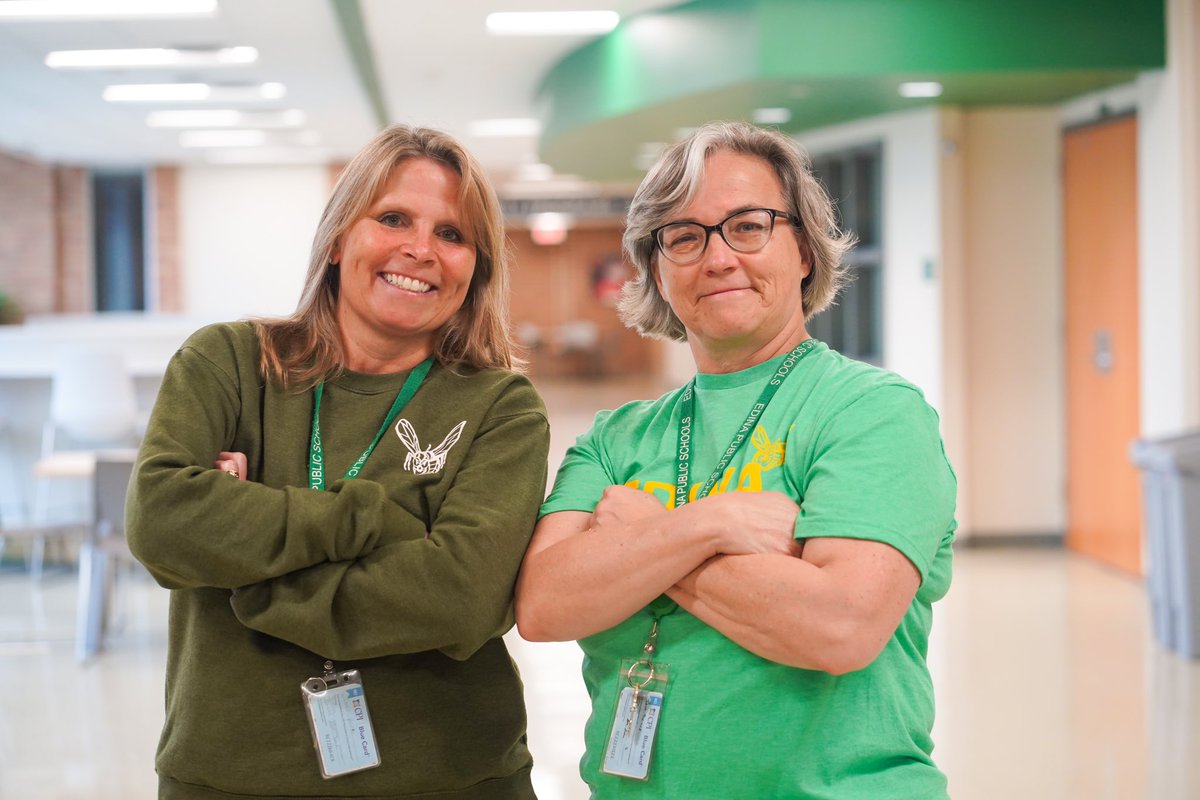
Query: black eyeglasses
[[747, 231]]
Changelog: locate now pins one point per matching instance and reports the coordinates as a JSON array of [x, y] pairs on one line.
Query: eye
[[748, 226], [681, 236], [452, 235], [393, 219]]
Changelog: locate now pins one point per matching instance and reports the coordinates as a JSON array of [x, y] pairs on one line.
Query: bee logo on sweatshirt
[[426, 461]]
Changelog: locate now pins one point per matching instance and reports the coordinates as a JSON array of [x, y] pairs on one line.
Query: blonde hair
[[305, 348], [673, 182]]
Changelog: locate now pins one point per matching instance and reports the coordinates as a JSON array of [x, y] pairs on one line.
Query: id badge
[[636, 718], [341, 727]]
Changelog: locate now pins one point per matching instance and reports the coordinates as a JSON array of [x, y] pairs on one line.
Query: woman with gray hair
[[749, 561], [345, 642]]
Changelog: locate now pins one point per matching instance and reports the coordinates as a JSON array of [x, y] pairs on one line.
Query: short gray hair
[[673, 182]]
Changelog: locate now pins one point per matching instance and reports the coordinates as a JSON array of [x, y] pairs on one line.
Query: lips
[[407, 283]]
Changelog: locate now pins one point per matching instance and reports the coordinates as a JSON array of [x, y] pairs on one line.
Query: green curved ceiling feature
[[828, 61]]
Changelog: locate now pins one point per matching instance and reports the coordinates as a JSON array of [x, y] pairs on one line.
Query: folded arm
[[449, 590], [585, 573], [195, 526], [833, 610]]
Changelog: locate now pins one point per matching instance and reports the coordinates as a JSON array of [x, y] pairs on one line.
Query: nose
[[719, 256], [419, 244]]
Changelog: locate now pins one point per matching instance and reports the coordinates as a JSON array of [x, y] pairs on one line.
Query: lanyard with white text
[[663, 605], [687, 420], [316, 454]]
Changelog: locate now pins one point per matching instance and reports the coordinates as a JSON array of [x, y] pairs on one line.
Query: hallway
[[1048, 683]]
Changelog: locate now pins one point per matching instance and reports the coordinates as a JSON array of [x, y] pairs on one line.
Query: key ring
[[629, 674]]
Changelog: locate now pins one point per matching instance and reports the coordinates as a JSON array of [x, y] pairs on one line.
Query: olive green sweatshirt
[[405, 573]]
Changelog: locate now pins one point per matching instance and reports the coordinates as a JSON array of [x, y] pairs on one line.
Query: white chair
[[93, 408]]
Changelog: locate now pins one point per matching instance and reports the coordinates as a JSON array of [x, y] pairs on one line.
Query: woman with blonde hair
[[340, 582]]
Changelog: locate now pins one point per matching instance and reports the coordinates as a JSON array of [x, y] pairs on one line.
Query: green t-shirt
[[858, 448]]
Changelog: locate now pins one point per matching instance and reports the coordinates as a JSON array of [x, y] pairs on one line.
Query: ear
[[336, 256], [806, 255], [654, 270]]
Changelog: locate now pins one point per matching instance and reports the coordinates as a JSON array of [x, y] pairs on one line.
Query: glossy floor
[[1048, 682]]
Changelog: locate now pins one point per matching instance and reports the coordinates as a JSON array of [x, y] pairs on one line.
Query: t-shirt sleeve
[[584, 474], [877, 470]]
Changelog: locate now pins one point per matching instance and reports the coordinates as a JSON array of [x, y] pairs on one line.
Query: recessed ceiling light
[[771, 116], [516, 126], [156, 92], [151, 57], [192, 92], [225, 118], [920, 89], [109, 9], [222, 138], [267, 155], [517, 23]]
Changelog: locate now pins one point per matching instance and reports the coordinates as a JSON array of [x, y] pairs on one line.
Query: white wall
[[245, 236], [1012, 258]]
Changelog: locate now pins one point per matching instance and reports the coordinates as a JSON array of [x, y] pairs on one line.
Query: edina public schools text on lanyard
[[643, 682], [316, 453], [335, 701]]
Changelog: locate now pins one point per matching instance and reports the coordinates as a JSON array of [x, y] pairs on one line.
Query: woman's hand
[[233, 463], [750, 522], [624, 505]]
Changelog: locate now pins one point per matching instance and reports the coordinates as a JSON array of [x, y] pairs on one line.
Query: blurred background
[[1023, 180]]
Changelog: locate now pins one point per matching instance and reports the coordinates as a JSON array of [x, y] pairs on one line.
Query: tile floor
[[1048, 683]]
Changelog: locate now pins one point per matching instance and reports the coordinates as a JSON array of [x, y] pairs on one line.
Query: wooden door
[[1100, 249]]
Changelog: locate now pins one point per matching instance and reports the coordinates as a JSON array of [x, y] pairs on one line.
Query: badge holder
[[642, 684], [341, 727]]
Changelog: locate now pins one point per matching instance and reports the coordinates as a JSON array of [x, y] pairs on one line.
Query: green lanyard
[[316, 453], [663, 605], [687, 420]]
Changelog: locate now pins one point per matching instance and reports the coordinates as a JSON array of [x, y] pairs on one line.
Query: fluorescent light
[[771, 116], [151, 57], [222, 138], [225, 118], [517, 126], [920, 89], [517, 23], [111, 9], [156, 92], [267, 155], [181, 92]]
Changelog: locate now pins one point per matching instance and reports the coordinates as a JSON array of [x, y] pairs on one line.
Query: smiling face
[[739, 309], [405, 268]]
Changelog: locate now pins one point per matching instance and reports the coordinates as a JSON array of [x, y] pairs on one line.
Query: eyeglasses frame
[[719, 228]]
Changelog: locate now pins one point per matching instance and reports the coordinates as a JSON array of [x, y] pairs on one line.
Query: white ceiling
[[434, 61]]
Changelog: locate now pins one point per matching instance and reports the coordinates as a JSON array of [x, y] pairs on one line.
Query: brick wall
[[165, 256], [74, 287], [28, 252]]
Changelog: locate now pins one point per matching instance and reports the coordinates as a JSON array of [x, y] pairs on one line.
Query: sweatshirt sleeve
[[451, 590], [193, 526]]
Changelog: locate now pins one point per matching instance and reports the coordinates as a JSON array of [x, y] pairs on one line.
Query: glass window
[[118, 203], [854, 325]]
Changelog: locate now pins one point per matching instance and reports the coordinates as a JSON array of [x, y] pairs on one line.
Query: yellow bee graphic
[[767, 454]]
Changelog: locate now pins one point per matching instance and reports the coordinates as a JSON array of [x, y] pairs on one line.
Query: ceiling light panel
[[192, 92], [517, 126], [551, 23], [225, 118], [156, 92], [151, 57], [920, 89], [41, 10], [222, 138]]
